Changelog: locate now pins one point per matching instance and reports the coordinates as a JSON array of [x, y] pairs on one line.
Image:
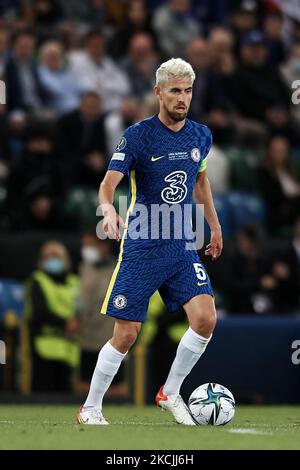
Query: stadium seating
[[236, 210], [81, 205], [244, 166], [246, 209], [224, 211]]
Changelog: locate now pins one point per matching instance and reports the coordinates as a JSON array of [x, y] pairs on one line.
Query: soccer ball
[[212, 404]]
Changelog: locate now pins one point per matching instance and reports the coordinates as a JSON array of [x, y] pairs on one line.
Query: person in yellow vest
[[51, 304]]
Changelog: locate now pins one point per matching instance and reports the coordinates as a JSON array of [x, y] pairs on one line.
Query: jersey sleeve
[[125, 155], [206, 143]]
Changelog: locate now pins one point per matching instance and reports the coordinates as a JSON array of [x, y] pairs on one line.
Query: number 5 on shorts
[[200, 272]]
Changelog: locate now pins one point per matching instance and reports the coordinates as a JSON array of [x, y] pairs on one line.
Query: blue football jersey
[[162, 166]]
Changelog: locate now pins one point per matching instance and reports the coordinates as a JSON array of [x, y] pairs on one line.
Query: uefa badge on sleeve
[[195, 154], [121, 145]]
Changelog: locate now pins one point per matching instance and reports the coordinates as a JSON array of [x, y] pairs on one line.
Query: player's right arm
[[120, 164], [112, 222]]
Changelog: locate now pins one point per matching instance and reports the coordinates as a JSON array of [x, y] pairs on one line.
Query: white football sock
[[108, 363], [189, 351]]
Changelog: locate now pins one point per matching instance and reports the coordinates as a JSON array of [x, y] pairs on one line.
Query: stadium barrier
[[251, 355]]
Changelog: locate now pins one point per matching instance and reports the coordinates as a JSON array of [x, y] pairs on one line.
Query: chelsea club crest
[[120, 301], [195, 154]]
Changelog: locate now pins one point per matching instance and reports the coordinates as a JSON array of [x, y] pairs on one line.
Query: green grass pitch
[[149, 428]]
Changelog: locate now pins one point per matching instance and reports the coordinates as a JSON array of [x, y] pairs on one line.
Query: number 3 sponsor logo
[[177, 190]]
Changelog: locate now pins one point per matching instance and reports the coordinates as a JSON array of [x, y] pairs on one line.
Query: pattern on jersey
[[168, 180]]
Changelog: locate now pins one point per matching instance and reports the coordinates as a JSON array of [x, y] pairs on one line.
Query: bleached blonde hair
[[174, 68]]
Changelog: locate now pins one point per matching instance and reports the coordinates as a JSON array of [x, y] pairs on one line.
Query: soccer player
[[165, 159]]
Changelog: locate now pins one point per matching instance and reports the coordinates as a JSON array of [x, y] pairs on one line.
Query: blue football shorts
[[133, 283]]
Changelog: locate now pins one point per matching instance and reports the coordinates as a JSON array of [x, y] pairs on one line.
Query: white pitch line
[[71, 423], [137, 423], [250, 431], [50, 423]]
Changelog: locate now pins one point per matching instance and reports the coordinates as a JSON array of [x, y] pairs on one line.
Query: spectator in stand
[[295, 36], [35, 184], [40, 210], [210, 102], [218, 170], [23, 86], [116, 123], [263, 278], [150, 106], [138, 20], [68, 35], [10, 10], [140, 65], [198, 55], [175, 27], [4, 44], [281, 122], [291, 69], [37, 161], [256, 87], [98, 14], [63, 89], [281, 282], [221, 44], [210, 13], [76, 9], [244, 19], [46, 14], [221, 119], [13, 140], [87, 13], [81, 142], [273, 30], [98, 72], [241, 278], [279, 187]]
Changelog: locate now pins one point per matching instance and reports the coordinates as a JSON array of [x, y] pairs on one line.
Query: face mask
[[53, 266], [90, 254]]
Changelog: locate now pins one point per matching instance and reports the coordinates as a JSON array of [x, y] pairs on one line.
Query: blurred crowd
[[77, 74]]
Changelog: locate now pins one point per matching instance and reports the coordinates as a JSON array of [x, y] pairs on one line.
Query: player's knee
[[129, 339], [205, 324], [211, 321], [125, 337]]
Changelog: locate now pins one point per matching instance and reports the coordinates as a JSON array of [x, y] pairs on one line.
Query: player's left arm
[[203, 195]]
